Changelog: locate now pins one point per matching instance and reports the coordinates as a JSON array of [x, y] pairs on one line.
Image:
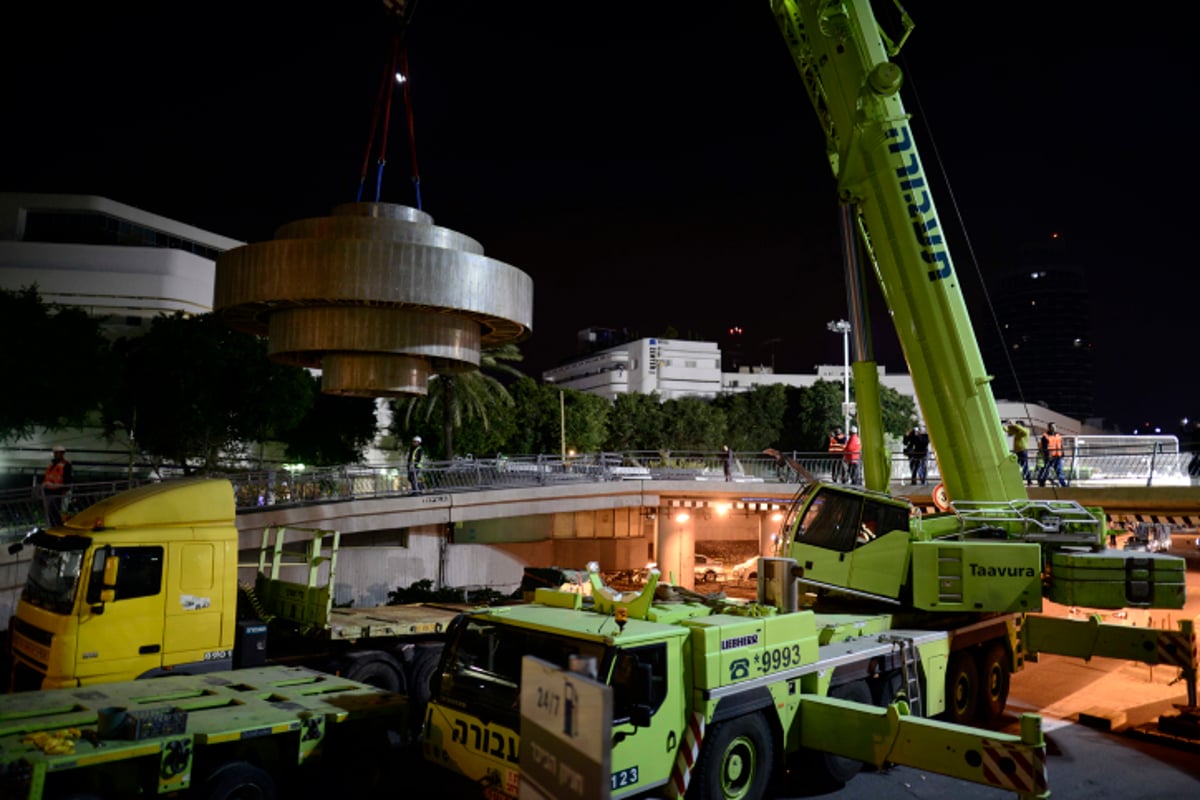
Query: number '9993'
[[624, 777], [779, 658]]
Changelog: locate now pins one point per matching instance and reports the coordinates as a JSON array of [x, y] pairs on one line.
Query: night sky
[[648, 164]]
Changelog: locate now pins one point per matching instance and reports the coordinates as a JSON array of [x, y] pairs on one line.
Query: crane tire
[[736, 761], [994, 674], [962, 688]]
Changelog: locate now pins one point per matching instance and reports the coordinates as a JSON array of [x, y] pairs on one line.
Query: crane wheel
[[995, 671], [962, 688], [736, 760]]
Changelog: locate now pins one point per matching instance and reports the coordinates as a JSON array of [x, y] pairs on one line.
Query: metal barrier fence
[[21, 510]]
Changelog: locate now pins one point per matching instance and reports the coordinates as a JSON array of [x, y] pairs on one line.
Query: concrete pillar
[[676, 546], [766, 533]]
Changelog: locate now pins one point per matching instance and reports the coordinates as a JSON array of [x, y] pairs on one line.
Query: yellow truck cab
[[133, 586]]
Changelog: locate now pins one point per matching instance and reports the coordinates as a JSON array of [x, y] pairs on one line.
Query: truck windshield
[[788, 528], [484, 668], [54, 572]]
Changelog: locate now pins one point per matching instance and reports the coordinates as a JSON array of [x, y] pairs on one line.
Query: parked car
[[709, 569], [1152, 537], [747, 570]]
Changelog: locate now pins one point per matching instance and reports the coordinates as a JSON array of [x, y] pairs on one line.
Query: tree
[[538, 409], [585, 418], [457, 397], [333, 431], [56, 363], [754, 419], [193, 390], [693, 423], [548, 413], [636, 423], [486, 437], [899, 411], [812, 412]]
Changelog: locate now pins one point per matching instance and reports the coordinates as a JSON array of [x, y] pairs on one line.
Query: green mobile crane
[[979, 569], [869, 616]]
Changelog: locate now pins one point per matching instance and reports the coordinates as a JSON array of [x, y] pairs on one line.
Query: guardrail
[[21, 510]]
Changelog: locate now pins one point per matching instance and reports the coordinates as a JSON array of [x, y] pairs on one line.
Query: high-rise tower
[[1042, 307]]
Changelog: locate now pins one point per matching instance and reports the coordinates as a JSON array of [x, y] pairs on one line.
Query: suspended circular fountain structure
[[375, 296]]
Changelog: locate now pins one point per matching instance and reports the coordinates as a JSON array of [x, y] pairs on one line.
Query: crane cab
[[849, 539]]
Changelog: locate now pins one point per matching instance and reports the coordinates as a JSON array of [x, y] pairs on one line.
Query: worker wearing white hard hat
[[416, 454]]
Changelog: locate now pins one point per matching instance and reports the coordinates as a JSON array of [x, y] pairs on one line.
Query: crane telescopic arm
[[843, 59]]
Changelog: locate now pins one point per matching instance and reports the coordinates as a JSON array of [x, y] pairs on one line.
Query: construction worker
[[916, 447], [1051, 447], [1020, 446], [853, 457], [415, 454], [837, 447], [55, 485]]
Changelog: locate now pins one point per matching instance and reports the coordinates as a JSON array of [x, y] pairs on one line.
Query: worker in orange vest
[[1051, 446], [853, 457], [55, 485]]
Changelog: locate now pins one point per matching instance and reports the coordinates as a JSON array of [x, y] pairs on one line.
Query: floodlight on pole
[[843, 327]]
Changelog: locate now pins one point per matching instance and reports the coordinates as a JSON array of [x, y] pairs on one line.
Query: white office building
[[122, 265], [671, 367], [675, 368], [119, 263]]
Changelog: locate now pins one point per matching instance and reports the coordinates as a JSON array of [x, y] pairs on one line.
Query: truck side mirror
[[108, 587], [111, 565]]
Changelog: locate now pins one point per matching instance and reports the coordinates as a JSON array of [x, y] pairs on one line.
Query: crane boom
[[843, 58]]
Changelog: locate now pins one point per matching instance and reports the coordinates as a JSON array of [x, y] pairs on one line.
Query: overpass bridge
[[482, 521], [485, 538]]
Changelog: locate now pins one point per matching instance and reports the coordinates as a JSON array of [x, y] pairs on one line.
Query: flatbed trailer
[[242, 733], [145, 584]]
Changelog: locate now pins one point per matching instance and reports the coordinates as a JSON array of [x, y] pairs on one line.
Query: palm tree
[[469, 395]]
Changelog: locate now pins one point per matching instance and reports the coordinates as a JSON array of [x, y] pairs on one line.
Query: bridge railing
[[21, 510]]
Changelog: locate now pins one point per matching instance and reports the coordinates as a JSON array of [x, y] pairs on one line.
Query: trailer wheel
[[993, 688], [736, 761], [962, 688], [425, 665], [238, 780], [377, 673]]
